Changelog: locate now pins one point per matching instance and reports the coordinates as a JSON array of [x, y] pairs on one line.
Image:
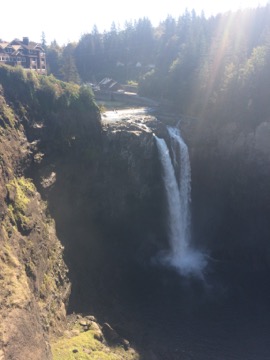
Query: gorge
[[107, 204]]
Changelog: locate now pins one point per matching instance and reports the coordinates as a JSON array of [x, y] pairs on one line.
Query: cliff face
[[33, 282], [103, 200], [107, 204], [231, 197], [34, 286]]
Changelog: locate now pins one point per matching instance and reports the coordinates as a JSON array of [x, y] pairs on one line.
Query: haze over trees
[[199, 65]]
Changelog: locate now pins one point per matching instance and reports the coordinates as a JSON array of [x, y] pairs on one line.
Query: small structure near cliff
[[108, 84]]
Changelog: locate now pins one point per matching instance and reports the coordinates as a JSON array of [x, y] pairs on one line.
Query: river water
[[184, 319], [131, 114]]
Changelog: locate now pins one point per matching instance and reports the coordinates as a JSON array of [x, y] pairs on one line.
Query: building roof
[[106, 81], [16, 47], [3, 44], [109, 84], [29, 45]]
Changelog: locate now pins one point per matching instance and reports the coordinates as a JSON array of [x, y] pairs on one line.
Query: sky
[[67, 21]]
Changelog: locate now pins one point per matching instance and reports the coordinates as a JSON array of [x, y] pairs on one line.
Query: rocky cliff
[[107, 204], [63, 177], [34, 284], [231, 197]]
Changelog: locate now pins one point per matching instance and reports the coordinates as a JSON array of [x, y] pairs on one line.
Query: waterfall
[[177, 182]]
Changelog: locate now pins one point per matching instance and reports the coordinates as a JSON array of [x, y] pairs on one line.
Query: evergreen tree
[[43, 40], [204, 67], [54, 59], [68, 69]]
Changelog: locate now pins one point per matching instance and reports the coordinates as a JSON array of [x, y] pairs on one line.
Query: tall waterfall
[[177, 182]]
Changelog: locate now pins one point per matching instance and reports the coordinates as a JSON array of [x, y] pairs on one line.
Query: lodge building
[[28, 54]]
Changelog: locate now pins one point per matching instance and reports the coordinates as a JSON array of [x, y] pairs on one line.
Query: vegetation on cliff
[[85, 339], [42, 97], [37, 115]]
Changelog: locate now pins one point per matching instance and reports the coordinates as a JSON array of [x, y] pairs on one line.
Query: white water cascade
[[181, 256]]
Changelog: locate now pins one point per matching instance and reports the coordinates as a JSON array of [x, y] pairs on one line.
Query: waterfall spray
[[178, 187]]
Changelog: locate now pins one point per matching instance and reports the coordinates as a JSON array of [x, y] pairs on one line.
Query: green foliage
[[16, 83], [7, 116], [68, 69], [216, 68], [43, 40], [116, 53], [204, 67], [66, 106], [14, 291], [86, 95], [54, 59], [20, 192], [85, 347], [151, 85], [132, 83]]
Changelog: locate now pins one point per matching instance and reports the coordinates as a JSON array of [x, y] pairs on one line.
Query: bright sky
[[67, 20]]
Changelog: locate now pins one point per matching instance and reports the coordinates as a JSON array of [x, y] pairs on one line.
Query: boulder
[[113, 338]]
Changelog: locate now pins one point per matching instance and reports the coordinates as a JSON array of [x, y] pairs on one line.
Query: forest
[[200, 66]]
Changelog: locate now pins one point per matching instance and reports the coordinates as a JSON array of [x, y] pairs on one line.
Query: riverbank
[[131, 99]]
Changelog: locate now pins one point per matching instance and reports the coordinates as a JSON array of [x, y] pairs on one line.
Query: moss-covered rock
[[81, 343]]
